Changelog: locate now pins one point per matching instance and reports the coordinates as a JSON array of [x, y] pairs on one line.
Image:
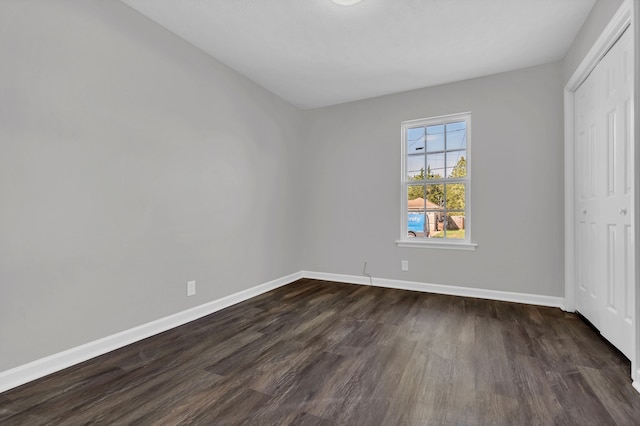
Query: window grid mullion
[[438, 181], [444, 185]]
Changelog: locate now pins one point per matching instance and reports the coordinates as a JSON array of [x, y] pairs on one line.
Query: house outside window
[[436, 182]]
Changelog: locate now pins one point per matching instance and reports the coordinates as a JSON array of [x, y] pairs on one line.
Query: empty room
[[319, 212]]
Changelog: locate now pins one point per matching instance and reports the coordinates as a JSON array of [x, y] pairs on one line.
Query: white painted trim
[[450, 245], [612, 32], [45, 366], [34, 370], [569, 203], [635, 130], [340, 278], [505, 296], [627, 15]]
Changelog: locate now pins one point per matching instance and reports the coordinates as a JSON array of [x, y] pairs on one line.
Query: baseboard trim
[[505, 296], [20, 375]]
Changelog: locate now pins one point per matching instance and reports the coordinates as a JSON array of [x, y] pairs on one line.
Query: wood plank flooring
[[322, 353]]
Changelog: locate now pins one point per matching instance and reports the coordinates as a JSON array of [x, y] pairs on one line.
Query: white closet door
[[604, 188]]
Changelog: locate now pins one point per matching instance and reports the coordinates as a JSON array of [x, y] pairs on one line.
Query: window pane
[[435, 196], [455, 196], [436, 220], [415, 140], [435, 166], [456, 164], [417, 223], [435, 138], [457, 135], [455, 226], [415, 167], [415, 197]]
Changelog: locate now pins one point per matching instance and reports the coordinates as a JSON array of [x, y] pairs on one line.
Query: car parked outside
[[418, 225]]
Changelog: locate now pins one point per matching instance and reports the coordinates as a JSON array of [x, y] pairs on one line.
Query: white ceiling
[[315, 53]]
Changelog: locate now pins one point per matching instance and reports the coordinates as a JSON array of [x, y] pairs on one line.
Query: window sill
[[437, 245]]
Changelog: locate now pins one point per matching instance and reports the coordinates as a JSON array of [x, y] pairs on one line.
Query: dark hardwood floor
[[321, 353]]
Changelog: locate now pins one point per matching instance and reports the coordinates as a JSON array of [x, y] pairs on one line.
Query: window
[[436, 182]]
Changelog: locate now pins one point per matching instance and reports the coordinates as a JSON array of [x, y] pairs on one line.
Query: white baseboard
[[506, 296], [20, 375], [34, 370]]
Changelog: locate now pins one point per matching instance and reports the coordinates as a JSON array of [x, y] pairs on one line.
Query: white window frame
[[455, 244]]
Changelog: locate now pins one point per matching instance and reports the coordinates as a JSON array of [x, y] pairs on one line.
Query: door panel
[[604, 188]]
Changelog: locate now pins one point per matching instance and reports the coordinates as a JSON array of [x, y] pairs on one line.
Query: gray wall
[[352, 163], [130, 162], [599, 17]]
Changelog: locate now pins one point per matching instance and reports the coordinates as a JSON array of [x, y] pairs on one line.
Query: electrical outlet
[[405, 265], [191, 288]]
